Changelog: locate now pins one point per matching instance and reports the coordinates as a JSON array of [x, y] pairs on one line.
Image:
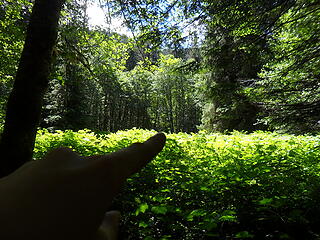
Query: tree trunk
[[25, 101]]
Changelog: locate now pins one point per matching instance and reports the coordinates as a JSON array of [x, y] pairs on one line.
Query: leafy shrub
[[213, 186]]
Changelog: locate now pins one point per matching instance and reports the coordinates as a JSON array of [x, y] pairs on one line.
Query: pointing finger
[[130, 160]]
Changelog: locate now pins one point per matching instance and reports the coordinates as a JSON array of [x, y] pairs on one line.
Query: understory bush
[[213, 186]]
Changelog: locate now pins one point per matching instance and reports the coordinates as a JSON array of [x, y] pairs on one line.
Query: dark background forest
[[187, 65]]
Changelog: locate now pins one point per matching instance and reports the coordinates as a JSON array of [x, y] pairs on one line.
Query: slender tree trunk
[[170, 106], [25, 101]]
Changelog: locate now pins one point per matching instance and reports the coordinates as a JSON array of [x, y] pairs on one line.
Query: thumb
[[108, 230]]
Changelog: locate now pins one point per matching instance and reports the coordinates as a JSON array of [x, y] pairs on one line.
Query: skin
[[66, 196]]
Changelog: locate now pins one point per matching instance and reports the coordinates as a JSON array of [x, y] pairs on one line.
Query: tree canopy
[[187, 65]]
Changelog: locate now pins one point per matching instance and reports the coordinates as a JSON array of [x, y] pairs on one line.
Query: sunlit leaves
[[168, 91], [211, 185], [14, 17], [142, 208]]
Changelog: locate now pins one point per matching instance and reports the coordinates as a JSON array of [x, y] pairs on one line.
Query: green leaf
[[228, 218], [244, 234], [195, 213], [159, 209], [266, 201], [143, 224], [228, 215], [142, 208]]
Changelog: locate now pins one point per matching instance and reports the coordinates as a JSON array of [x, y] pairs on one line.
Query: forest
[[235, 85], [188, 65]]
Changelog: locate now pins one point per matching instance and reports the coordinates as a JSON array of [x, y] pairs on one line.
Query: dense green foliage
[[100, 79], [213, 186], [289, 84], [264, 59], [188, 65], [13, 22]]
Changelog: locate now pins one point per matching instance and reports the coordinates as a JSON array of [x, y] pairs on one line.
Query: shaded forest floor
[[213, 186]]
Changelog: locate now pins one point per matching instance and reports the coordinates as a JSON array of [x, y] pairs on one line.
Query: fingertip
[[161, 136], [158, 139], [132, 159]]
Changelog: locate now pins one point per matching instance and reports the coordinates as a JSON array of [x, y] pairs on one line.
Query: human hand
[[66, 196]]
